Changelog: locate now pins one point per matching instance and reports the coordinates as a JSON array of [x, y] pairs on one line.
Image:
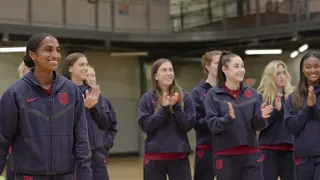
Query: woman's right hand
[[165, 99], [311, 100], [91, 98], [231, 111], [266, 110]]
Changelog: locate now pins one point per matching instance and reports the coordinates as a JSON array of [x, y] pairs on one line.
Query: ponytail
[[224, 61], [28, 61]]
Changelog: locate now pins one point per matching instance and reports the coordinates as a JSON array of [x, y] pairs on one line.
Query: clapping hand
[[311, 100], [91, 98], [277, 102], [231, 111], [266, 110]]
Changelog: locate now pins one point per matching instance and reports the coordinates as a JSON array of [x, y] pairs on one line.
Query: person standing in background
[[301, 116], [276, 141], [10, 175], [234, 112], [166, 114], [23, 69], [75, 68], [111, 133], [203, 167]]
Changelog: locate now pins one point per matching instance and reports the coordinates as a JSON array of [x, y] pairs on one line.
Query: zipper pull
[[49, 102]]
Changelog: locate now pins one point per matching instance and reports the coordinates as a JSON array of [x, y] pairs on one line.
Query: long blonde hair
[[267, 85], [174, 87], [22, 68]]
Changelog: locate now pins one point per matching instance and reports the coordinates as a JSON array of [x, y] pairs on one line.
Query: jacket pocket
[[108, 142], [62, 154], [31, 155]]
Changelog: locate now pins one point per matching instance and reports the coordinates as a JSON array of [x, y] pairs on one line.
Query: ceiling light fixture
[[12, 49], [303, 48], [263, 51], [294, 54]]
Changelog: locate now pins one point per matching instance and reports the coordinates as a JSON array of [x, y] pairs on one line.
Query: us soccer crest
[[63, 98]]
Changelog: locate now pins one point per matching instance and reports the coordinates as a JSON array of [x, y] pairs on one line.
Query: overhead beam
[[59, 32]]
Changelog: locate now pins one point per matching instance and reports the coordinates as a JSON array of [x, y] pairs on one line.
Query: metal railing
[[237, 14], [153, 16], [126, 16]]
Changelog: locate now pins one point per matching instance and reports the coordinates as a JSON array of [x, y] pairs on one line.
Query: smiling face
[[48, 54], [79, 70], [311, 70], [165, 75], [234, 70]]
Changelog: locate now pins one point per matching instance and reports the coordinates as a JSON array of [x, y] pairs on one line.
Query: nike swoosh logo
[[29, 100]]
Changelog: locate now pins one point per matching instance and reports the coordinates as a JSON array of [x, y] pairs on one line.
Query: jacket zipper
[[51, 160]]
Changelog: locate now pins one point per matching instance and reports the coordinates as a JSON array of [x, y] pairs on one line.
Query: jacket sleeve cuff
[[93, 110], [307, 108], [276, 112], [227, 119], [163, 110], [176, 107]]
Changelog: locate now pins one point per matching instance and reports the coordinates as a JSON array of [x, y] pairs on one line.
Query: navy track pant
[[308, 168], [203, 167], [10, 175], [159, 169], [98, 165], [67, 176], [239, 167], [278, 164]]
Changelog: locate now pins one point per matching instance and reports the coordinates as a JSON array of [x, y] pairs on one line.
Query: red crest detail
[[219, 164], [297, 161], [63, 98], [146, 161], [200, 153], [248, 93], [27, 178], [261, 158]]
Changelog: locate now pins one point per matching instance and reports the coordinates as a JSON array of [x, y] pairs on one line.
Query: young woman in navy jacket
[[166, 115], [275, 141], [234, 113], [75, 68], [42, 117], [22, 71], [203, 169], [301, 115], [111, 132]]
